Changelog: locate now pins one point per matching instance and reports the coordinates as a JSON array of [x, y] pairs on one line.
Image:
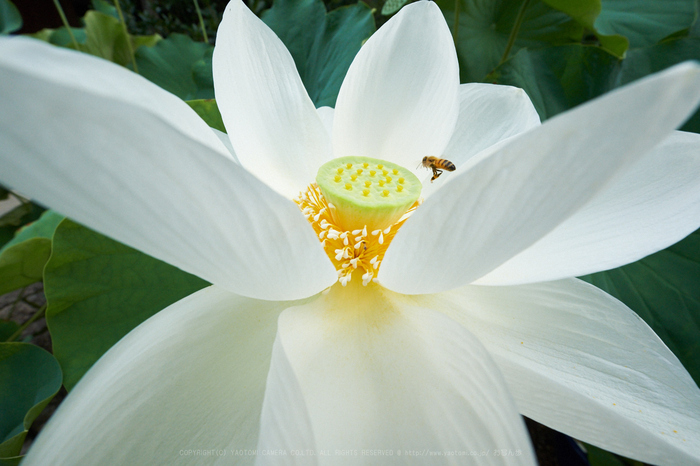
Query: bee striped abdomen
[[446, 165]]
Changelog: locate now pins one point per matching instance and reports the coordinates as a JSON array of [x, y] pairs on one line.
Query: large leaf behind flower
[[179, 65], [103, 36], [98, 290], [322, 44], [645, 22], [13, 220], [209, 112], [585, 12], [485, 25], [29, 378], [559, 78], [664, 289], [10, 19], [23, 258]]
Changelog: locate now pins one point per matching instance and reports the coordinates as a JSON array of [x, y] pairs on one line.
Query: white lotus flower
[[421, 360]]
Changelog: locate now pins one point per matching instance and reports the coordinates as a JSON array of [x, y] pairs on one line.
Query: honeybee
[[437, 166]]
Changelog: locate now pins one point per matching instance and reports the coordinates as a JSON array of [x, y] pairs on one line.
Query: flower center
[[356, 207]]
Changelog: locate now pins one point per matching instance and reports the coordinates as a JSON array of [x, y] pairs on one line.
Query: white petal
[[399, 99], [510, 196], [326, 115], [101, 79], [223, 137], [127, 171], [651, 206], [285, 403], [488, 114], [581, 362], [268, 115], [192, 377], [377, 372]]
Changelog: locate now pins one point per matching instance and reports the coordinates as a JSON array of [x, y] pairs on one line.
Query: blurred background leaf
[[29, 378], [585, 12], [10, 19], [486, 25], [179, 65], [322, 44], [11, 221], [392, 6], [22, 259], [98, 290], [645, 22], [209, 112], [103, 36], [559, 78]]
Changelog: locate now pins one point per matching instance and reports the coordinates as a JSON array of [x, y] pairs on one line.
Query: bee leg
[[436, 174]]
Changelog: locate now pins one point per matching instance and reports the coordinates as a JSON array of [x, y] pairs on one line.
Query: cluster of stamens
[[348, 250]]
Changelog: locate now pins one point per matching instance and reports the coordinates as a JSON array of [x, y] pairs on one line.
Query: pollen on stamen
[[368, 184], [348, 250], [348, 166], [348, 186], [353, 177], [365, 165], [337, 178], [340, 171]]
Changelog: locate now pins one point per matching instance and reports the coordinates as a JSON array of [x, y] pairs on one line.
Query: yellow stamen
[[349, 251]]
